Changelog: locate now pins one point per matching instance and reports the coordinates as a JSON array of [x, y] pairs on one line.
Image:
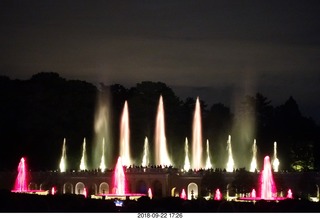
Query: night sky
[[217, 50]]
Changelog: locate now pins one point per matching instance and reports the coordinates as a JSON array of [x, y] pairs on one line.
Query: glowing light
[[146, 156], [208, 162], [102, 163], [83, 163], [186, 166], [53, 191], [183, 194], [217, 195], [125, 136], [276, 162], [197, 138], [85, 193], [253, 193], [119, 178], [63, 157], [268, 187], [230, 164], [289, 195], [150, 193], [253, 165], [161, 154]]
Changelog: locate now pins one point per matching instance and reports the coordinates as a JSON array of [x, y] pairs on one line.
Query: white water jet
[[276, 162], [125, 136], [208, 162], [146, 153], [186, 166], [63, 161], [102, 161], [230, 164], [197, 138], [253, 165], [83, 162], [161, 154]]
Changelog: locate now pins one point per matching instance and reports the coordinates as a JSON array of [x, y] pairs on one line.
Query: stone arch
[[141, 187], [67, 188], [79, 188], [157, 189], [104, 188], [192, 191]]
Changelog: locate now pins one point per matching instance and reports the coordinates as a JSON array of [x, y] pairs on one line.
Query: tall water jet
[[268, 187], [275, 163], [119, 178], [102, 131], [102, 161], [186, 166], [125, 136], [161, 154], [146, 153], [208, 162], [230, 164], [197, 138], [83, 162], [21, 184], [63, 160], [253, 165]]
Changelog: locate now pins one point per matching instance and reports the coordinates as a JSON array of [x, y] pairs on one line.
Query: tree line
[[38, 113]]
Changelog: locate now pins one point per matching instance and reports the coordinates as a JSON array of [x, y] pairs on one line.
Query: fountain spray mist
[[208, 162], [83, 162], [186, 166], [275, 163], [230, 164], [161, 154], [146, 153], [63, 160], [197, 138], [253, 165], [102, 132], [125, 136]]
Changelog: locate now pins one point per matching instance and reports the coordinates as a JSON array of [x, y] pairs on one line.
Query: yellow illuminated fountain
[[63, 160], [83, 162], [146, 153], [253, 165], [186, 166], [125, 136], [230, 163]]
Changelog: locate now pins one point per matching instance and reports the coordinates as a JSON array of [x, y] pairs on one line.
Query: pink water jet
[[119, 178], [217, 195], [183, 194], [268, 187], [21, 183], [289, 195], [253, 193], [150, 193]]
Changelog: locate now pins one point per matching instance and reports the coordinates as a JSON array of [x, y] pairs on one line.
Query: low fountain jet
[[146, 154], [102, 162], [230, 164], [83, 163], [208, 162], [253, 166], [186, 166], [275, 163], [63, 160]]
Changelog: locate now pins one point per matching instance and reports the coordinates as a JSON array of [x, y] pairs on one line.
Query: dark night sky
[[218, 50]]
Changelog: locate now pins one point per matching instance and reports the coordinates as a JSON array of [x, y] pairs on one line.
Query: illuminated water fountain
[[83, 162], [230, 163], [197, 138], [22, 180], [161, 153], [253, 165], [186, 166], [102, 161], [208, 162], [63, 161], [146, 153], [125, 136], [275, 163]]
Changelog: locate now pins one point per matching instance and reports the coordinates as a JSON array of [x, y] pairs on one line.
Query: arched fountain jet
[[208, 162], [161, 153], [83, 162], [146, 154], [102, 162], [197, 138], [253, 166], [275, 163], [63, 160], [230, 164], [186, 166], [125, 136]]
